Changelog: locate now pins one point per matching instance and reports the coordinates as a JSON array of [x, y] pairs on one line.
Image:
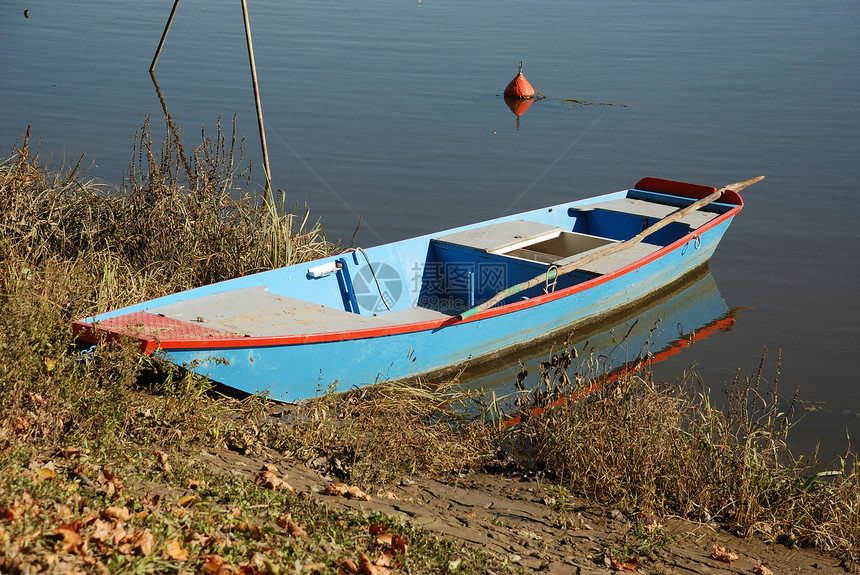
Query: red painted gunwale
[[149, 344]]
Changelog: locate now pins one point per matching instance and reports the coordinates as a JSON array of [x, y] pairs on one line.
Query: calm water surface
[[391, 110]]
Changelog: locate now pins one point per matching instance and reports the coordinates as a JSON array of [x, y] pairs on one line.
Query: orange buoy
[[519, 87]]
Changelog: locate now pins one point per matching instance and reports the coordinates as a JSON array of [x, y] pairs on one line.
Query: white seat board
[[501, 236], [612, 262]]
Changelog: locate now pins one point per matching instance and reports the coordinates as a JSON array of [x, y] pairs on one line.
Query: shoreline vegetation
[[106, 457]]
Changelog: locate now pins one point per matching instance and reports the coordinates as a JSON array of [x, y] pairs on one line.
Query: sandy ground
[[514, 517]]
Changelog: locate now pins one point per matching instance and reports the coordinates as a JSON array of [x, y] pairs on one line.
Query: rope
[[373, 273]]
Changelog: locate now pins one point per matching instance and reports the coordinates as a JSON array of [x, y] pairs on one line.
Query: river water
[[391, 112]]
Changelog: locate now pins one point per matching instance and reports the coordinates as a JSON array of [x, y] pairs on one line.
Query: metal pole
[[163, 36], [269, 197]]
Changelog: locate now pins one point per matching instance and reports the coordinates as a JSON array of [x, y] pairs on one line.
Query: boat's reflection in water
[[665, 325]]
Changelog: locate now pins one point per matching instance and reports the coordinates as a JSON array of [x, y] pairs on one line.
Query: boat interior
[[479, 262]]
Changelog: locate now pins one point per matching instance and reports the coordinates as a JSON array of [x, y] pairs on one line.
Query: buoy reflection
[[517, 106]]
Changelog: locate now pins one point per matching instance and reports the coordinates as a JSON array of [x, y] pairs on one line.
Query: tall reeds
[[71, 247], [175, 222], [656, 449]]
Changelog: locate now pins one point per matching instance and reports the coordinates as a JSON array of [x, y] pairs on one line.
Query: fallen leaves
[[45, 473], [347, 566], [390, 547], [364, 566], [102, 531], [250, 529], [626, 566], [200, 539], [391, 543], [50, 364], [64, 512], [25, 505], [9, 514], [348, 491], [105, 532], [72, 452], [724, 554], [762, 570], [196, 484], [21, 425], [215, 564], [187, 500], [269, 478], [368, 567], [84, 529], [173, 549], [291, 527], [112, 484], [653, 528], [72, 539], [78, 532], [142, 542], [116, 513], [162, 459]]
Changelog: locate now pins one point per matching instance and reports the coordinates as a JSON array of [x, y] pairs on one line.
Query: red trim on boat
[[686, 190], [150, 329]]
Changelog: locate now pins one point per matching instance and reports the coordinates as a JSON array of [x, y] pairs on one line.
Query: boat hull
[[333, 334], [306, 370]]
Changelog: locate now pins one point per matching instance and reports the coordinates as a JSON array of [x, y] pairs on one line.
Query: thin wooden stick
[[565, 269], [269, 197], [163, 36]]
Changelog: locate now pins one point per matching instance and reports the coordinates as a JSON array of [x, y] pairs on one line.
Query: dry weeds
[[72, 247], [658, 449]]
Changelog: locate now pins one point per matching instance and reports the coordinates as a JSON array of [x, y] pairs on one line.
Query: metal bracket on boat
[[324, 269], [698, 242]]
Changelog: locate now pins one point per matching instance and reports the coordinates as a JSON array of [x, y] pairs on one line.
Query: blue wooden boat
[[431, 305]]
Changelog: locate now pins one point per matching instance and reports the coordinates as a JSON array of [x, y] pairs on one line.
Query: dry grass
[[165, 229], [376, 434], [658, 449], [72, 247]]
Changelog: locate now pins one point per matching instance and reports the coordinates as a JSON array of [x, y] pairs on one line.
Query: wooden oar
[[555, 272]]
